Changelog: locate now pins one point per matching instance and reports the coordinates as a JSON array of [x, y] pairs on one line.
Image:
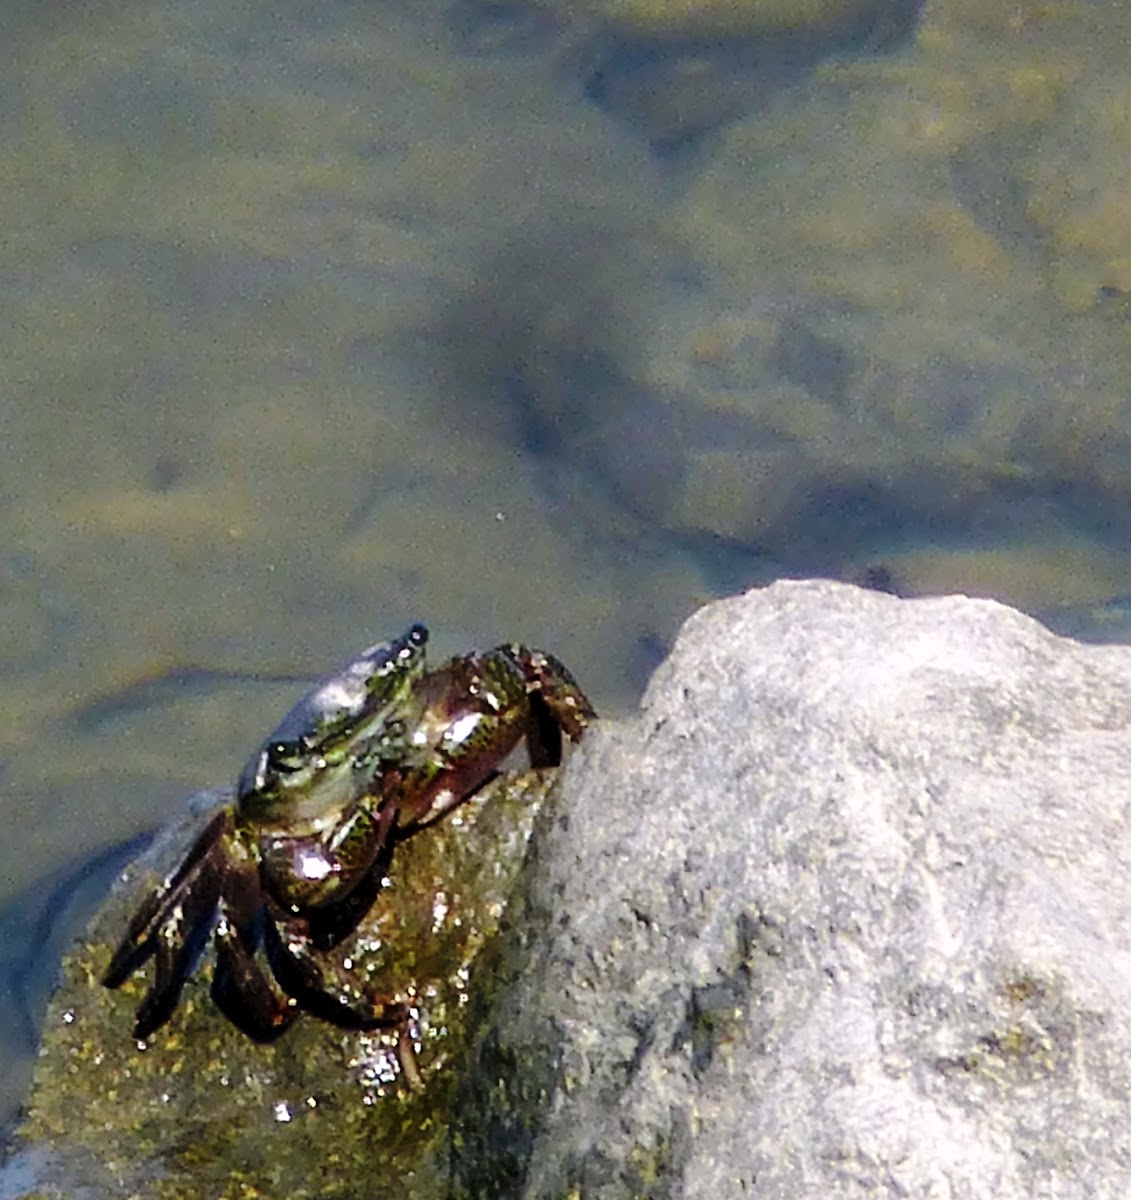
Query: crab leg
[[557, 704], [244, 992], [176, 943], [140, 939], [476, 710]]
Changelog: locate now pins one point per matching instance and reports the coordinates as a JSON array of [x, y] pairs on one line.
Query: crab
[[280, 877]]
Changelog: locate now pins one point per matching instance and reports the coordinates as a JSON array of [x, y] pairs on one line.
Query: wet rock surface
[[316, 1113], [841, 913]]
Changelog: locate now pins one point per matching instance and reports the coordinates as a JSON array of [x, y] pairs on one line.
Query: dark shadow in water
[[157, 691], [832, 518], [542, 354], [500, 28], [669, 87], [535, 354], [1104, 623], [675, 89]]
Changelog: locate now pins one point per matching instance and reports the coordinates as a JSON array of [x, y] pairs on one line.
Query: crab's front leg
[[319, 886], [242, 988], [475, 711], [556, 703]]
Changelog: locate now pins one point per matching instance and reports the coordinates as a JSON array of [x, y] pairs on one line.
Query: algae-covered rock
[[321, 1112]]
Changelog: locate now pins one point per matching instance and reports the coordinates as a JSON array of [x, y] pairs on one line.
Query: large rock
[[842, 913]]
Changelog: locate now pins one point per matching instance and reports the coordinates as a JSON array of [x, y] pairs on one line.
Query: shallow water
[[319, 320]]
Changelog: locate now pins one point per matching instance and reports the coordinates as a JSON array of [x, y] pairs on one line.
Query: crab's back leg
[[198, 871], [324, 987], [243, 991], [176, 944]]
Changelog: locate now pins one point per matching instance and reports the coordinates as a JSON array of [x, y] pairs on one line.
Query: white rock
[[843, 912]]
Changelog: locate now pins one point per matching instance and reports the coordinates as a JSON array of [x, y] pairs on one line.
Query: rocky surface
[[842, 912], [313, 1114]]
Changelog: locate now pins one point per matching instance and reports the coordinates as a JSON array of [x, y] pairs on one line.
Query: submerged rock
[[841, 913], [750, 18]]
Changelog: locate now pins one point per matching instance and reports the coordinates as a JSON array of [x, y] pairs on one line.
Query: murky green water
[[322, 318]]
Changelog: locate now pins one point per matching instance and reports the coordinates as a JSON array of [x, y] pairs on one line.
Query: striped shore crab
[[280, 877]]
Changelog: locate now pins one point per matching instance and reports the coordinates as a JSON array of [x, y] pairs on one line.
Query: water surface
[[322, 319]]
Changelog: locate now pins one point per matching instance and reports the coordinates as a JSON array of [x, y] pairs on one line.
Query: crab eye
[[284, 758]]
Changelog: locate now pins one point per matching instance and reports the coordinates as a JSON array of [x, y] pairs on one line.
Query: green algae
[[320, 1113]]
